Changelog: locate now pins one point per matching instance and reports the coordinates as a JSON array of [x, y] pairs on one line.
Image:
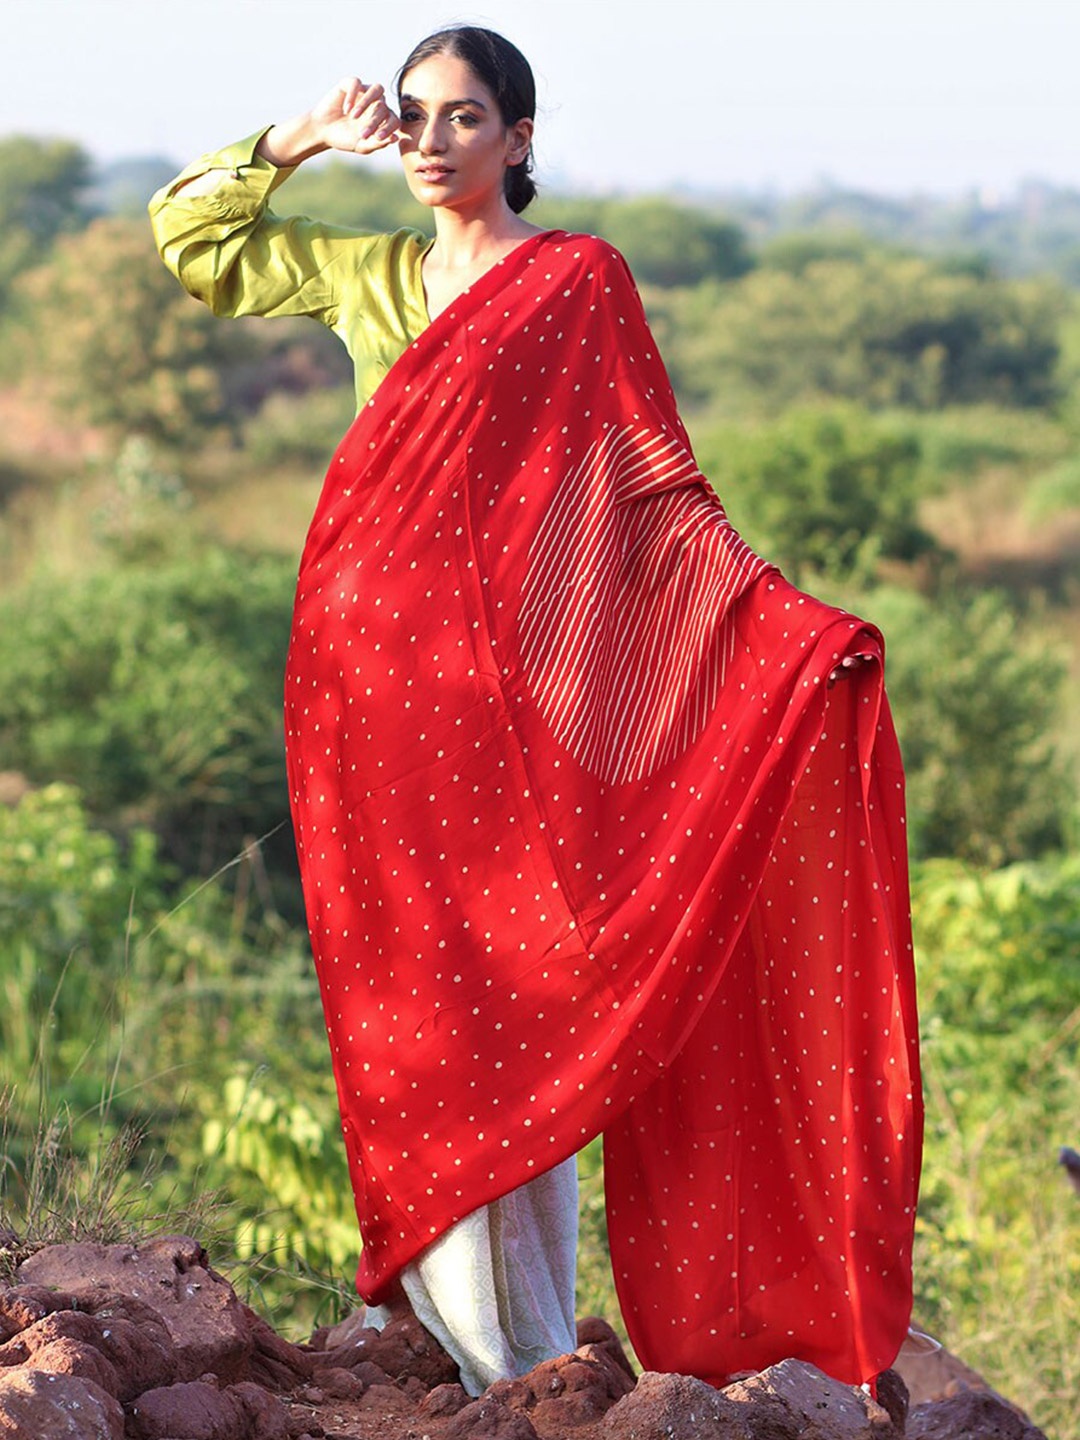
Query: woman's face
[[456, 148]]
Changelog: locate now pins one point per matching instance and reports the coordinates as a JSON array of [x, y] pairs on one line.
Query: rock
[[124, 1356], [341, 1384], [591, 1330], [205, 1321], [811, 1405], [196, 1410], [36, 1406], [563, 1394], [487, 1419], [69, 1357], [970, 1415], [274, 1362], [134, 1338], [931, 1372], [22, 1305], [395, 1411], [345, 1332], [371, 1374], [621, 1378], [414, 1388], [664, 1406], [64, 1343], [892, 1396], [403, 1348], [268, 1417], [444, 1400]]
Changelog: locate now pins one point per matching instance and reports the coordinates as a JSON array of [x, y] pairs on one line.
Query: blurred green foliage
[[343, 193], [156, 688], [114, 338], [72, 901], [998, 1248], [665, 243], [879, 329], [977, 702], [266, 1141], [828, 491], [42, 188], [304, 428]]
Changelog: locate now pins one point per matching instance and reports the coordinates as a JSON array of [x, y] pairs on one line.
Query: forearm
[[214, 233], [293, 142]]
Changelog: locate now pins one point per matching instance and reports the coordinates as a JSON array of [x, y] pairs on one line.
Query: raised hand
[[355, 117]]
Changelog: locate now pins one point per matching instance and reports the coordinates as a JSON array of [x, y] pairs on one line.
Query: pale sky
[[885, 95]]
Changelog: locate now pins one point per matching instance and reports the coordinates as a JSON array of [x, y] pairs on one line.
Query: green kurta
[[229, 250]]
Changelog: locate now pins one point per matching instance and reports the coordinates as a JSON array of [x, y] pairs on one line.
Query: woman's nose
[[432, 136]]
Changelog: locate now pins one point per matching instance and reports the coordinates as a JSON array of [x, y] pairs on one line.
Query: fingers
[[849, 663], [365, 95], [349, 89], [369, 107], [358, 118], [378, 124]]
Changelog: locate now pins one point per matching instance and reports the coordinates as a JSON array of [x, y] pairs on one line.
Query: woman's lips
[[434, 172]]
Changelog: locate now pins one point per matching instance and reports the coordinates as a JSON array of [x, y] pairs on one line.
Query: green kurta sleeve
[[228, 249]]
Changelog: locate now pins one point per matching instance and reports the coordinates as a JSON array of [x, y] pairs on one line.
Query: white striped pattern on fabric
[[624, 621]]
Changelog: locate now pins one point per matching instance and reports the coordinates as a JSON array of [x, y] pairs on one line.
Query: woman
[[590, 841]]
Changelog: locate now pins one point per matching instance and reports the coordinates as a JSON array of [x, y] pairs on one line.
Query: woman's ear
[[519, 138]]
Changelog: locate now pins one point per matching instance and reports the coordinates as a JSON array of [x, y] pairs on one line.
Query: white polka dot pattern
[[588, 843]]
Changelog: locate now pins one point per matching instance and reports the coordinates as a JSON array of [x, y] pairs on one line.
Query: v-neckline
[[425, 250]]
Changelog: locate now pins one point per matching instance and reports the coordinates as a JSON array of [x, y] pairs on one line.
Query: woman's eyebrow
[[449, 105]]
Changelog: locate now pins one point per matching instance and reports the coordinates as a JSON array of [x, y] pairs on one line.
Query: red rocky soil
[[147, 1342]]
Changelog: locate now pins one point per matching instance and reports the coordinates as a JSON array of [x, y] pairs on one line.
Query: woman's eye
[[464, 118], [408, 116]]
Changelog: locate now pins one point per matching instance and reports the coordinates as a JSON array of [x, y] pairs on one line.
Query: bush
[[109, 334], [886, 331], [157, 690], [831, 491], [300, 428], [976, 702], [999, 1231], [71, 903]]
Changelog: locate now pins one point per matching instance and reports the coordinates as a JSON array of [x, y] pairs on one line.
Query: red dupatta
[[589, 844]]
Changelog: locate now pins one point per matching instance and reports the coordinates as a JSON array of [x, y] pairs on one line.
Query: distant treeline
[[747, 326], [1033, 230]]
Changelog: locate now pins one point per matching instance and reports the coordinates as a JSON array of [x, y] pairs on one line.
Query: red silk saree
[[589, 843]]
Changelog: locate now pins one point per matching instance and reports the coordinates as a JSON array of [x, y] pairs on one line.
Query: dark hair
[[503, 69]]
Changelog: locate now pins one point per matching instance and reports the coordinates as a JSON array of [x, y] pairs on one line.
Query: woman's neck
[[465, 241]]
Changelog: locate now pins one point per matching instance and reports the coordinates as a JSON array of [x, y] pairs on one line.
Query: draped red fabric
[[589, 843]]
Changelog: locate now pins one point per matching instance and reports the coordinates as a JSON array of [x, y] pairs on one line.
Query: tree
[[976, 701], [112, 335], [157, 689], [667, 244], [884, 330], [41, 196], [831, 490]]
